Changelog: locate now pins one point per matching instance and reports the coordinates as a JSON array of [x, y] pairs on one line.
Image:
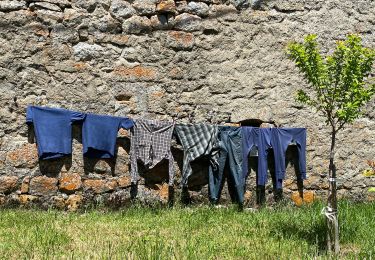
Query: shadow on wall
[[158, 175]]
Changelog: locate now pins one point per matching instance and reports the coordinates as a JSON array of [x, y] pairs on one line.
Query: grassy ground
[[184, 233]]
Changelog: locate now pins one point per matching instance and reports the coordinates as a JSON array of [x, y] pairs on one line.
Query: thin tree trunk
[[331, 211]]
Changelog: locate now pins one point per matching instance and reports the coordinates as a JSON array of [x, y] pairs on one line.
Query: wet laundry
[[99, 133], [261, 139], [197, 140], [281, 138], [230, 155], [150, 144], [53, 130]]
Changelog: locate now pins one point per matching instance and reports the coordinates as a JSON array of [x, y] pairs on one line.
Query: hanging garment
[[231, 155], [99, 133], [197, 140], [260, 138], [151, 143], [53, 130], [281, 138]]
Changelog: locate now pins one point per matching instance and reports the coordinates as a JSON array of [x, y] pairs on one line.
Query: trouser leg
[[216, 176], [235, 166]]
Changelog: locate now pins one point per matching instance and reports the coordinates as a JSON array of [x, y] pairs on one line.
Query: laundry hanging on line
[[53, 130], [99, 133], [197, 140], [230, 155], [151, 143]]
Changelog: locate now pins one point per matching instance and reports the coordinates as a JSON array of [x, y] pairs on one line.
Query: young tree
[[339, 87]]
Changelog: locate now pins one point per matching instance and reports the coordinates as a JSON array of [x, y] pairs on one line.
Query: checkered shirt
[[151, 143], [197, 140]]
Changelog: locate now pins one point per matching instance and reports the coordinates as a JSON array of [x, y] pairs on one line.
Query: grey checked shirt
[[197, 140], [151, 143]]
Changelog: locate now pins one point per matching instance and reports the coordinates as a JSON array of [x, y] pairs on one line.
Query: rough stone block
[[58, 202], [180, 40], [2, 200], [136, 25], [25, 156], [43, 185], [226, 12], [61, 3], [116, 39], [7, 6], [86, 51], [25, 184], [247, 197], [121, 9], [145, 7], [124, 181], [163, 191], [99, 186], [8, 184], [44, 5], [290, 184], [187, 22], [75, 18], [70, 182], [162, 21], [74, 202], [137, 73], [197, 8], [290, 6], [176, 73], [49, 17], [27, 199], [62, 34], [166, 6], [239, 4], [308, 198]]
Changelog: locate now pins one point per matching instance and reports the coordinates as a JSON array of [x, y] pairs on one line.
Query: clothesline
[[150, 143]]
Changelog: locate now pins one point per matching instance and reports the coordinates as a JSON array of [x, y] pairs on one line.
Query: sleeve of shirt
[[77, 116], [126, 123], [29, 115], [133, 159]]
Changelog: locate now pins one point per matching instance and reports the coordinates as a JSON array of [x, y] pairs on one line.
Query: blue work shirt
[[53, 130], [99, 133]]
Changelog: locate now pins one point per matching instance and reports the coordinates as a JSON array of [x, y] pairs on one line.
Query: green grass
[[184, 233]]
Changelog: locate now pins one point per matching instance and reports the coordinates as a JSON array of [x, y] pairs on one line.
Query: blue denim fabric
[[281, 138], [230, 154], [261, 138]]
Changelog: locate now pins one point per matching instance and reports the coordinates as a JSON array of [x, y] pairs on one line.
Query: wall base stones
[[162, 60]]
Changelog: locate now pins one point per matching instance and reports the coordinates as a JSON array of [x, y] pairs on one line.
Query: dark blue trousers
[[230, 155]]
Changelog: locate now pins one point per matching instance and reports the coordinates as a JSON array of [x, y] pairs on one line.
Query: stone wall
[[157, 59]]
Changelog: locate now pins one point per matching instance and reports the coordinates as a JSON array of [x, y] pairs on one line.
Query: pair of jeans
[[230, 155], [261, 139], [280, 140]]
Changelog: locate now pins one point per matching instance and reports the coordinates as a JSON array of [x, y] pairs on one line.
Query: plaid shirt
[[197, 140], [151, 143]]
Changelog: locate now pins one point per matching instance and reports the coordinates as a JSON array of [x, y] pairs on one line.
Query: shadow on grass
[[314, 234]]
